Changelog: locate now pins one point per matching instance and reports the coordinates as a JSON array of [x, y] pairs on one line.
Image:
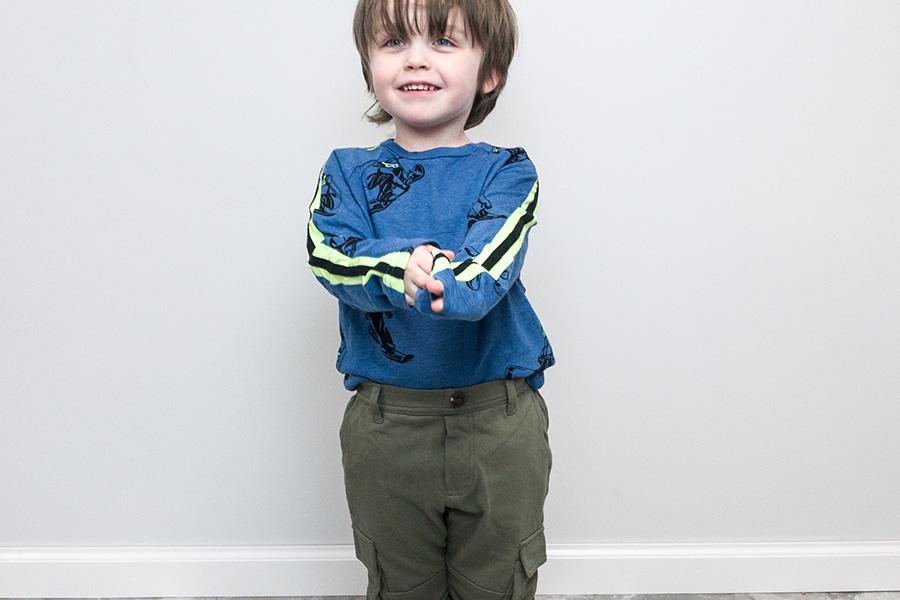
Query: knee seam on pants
[[480, 587], [423, 584]]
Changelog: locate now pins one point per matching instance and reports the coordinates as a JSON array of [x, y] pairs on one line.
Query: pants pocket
[[532, 554], [342, 432], [543, 406], [376, 589], [365, 552]]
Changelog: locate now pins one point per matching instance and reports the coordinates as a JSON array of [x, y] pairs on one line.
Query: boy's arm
[[343, 253], [494, 248]]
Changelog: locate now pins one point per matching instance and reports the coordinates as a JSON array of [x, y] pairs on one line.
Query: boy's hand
[[436, 288], [418, 275]]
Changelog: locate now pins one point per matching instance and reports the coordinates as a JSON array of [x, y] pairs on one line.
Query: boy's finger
[[435, 287], [422, 280]]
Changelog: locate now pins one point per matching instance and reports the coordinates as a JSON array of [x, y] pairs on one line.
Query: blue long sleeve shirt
[[372, 207]]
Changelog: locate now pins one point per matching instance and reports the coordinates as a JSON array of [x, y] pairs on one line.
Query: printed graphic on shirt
[[379, 332], [545, 359], [515, 155], [480, 211], [329, 202], [391, 180], [328, 198], [341, 348]]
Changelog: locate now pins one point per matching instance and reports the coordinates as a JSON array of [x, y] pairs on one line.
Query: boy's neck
[[419, 142]]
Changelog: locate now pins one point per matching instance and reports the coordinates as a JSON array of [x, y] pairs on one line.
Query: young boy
[[444, 443]]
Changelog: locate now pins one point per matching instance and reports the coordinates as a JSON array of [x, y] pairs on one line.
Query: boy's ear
[[491, 82]]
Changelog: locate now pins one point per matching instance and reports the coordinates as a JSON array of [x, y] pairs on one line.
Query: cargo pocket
[[365, 552], [532, 554]]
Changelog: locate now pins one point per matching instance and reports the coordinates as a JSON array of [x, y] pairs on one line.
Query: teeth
[[419, 87]]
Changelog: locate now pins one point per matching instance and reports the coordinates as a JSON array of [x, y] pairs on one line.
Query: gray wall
[[716, 267]]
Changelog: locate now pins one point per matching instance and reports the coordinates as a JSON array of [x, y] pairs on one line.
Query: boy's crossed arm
[[384, 274], [495, 245], [363, 271]]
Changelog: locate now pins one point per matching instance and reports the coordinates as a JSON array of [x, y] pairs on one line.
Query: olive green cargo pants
[[446, 489]]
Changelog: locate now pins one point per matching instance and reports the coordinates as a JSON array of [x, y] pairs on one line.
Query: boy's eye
[[388, 43]]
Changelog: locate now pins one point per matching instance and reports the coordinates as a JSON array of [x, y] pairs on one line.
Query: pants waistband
[[384, 397]]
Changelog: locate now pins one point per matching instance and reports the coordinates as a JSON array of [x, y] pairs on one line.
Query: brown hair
[[490, 24]]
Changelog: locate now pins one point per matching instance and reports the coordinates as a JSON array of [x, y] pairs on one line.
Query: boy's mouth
[[418, 89], [418, 92]]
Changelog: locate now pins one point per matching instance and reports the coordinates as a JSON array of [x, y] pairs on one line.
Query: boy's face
[[448, 62]]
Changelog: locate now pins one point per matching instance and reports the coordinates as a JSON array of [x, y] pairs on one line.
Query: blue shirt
[[372, 207]]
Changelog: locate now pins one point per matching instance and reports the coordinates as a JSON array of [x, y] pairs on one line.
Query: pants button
[[457, 399]]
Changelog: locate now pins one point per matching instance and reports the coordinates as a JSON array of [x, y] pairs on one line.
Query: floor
[[886, 595]]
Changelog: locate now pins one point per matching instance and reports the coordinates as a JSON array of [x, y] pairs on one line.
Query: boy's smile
[[446, 69]]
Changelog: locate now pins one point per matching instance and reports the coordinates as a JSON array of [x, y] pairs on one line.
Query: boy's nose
[[416, 56], [415, 62]]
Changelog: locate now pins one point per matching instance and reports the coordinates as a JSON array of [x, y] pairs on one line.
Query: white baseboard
[[664, 568]]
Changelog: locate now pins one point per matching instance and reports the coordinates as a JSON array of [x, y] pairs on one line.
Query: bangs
[[392, 18]]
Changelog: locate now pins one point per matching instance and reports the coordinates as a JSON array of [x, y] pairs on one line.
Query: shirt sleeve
[[495, 244], [343, 253]]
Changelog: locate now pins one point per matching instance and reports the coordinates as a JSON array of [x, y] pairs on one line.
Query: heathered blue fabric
[[385, 199]]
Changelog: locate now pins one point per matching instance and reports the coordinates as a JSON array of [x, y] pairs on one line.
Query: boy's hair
[[490, 24]]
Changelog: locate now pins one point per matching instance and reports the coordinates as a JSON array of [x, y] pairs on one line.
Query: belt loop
[[377, 414], [511, 397]]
